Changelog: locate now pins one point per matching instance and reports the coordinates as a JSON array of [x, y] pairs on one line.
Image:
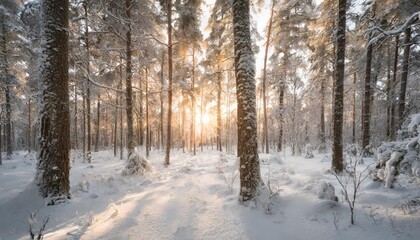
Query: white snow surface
[[192, 199]]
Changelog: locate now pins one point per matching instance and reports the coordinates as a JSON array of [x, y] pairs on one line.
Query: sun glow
[[206, 118]]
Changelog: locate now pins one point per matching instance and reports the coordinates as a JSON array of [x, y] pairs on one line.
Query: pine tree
[[337, 154], [8, 36], [53, 161], [170, 80], [404, 76], [367, 100], [250, 177]]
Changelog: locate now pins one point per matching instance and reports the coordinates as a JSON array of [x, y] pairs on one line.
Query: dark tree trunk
[[1, 143], [88, 105], [129, 89], [84, 128], [7, 86], [337, 153], [250, 177], [141, 124], [121, 120], [393, 90], [388, 93], [264, 80], [354, 108], [116, 114], [29, 126], [201, 116], [76, 135], [323, 145], [367, 99], [147, 115], [169, 123], [53, 161], [193, 102], [121, 129], [281, 107], [404, 76], [162, 85], [219, 111], [98, 122]]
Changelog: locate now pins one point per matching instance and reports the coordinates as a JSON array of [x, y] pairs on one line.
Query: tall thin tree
[[337, 151], [128, 84], [264, 78], [87, 93], [169, 120], [404, 76]]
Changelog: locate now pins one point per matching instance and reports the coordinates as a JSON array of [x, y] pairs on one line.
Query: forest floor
[[196, 197]]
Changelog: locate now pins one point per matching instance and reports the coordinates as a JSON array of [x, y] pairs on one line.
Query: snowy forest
[[210, 119]]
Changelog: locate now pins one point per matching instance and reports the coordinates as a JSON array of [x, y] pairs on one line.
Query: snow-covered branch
[[384, 33]]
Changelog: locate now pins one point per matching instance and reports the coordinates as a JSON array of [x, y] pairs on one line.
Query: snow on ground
[[196, 197]]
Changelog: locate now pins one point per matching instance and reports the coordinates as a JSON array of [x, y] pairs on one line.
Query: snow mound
[[137, 164], [309, 151], [326, 191], [400, 157]]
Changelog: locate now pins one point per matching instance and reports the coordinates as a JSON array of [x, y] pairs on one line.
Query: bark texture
[[404, 76], [53, 160], [128, 84], [169, 126], [367, 99], [250, 177], [337, 154]]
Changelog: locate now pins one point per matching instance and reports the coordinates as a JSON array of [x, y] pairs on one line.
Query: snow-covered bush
[[326, 191], [351, 149], [230, 172], [402, 156], [137, 164], [309, 151], [350, 181], [32, 219]]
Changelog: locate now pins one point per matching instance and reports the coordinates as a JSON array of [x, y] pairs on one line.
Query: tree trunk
[[169, 123], [201, 116], [116, 114], [193, 102], [88, 106], [393, 90], [219, 110], [367, 99], [105, 142], [147, 116], [53, 161], [129, 89], [121, 119], [404, 76], [7, 86], [76, 140], [388, 93], [354, 107], [250, 177], [281, 111], [1, 143], [264, 79], [162, 85], [84, 128], [183, 119], [121, 129], [29, 126], [98, 122], [337, 154], [141, 124], [323, 145]]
